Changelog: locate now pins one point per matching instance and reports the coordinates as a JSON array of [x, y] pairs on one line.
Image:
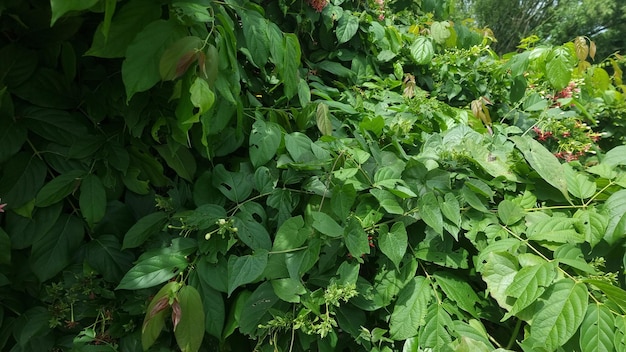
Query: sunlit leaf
[[410, 310], [597, 330]]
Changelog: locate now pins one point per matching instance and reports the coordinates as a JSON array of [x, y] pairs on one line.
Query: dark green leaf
[[322, 118], [394, 243], [143, 229], [236, 186], [22, 177], [256, 307], [5, 247], [410, 309], [265, 139], [291, 63], [154, 319], [54, 250], [326, 225], [597, 330], [289, 290], [12, 137], [356, 239], [92, 199], [189, 332], [245, 269], [58, 188], [104, 254], [152, 271], [178, 158], [342, 200], [61, 7]]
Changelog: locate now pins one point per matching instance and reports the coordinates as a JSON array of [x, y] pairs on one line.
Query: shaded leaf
[[189, 331], [143, 229], [92, 199], [245, 269]]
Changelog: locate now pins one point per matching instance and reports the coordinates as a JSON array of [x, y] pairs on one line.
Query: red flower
[[2, 207], [318, 5]]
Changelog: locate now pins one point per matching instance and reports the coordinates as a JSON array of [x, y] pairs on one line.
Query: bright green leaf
[[597, 329], [579, 185], [458, 290], [326, 225], [410, 310], [291, 63], [61, 7], [435, 333], [265, 138], [347, 26], [356, 239], [322, 118], [393, 243], [289, 290], [528, 284], [499, 272], [422, 50], [509, 212]]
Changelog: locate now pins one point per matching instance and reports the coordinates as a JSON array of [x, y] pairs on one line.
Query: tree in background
[[556, 21]]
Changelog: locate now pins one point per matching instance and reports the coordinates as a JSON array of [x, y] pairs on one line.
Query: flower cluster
[[381, 9], [571, 91], [569, 139], [318, 5]]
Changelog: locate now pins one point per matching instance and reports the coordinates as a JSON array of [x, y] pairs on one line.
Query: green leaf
[[189, 332], [528, 285], [458, 290], [410, 309], [251, 232], [440, 31], [326, 225], [322, 118], [12, 137], [356, 239], [387, 200], [451, 209], [597, 330], [559, 68], [125, 25], [291, 63], [289, 290], [104, 254], [592, 224], [265, 138], [236, 186], [92, 199], [140, 69], [509, 212], [214, 310], [616, 208], [430, 211], [256, 307], [612, 292], [304, 92], [54, 250], [32, 323], [289, 235], [422, 50], [178, 57], [178, 158], [616, 156], [245, 269], [393, 243], [202, 97], [22, 176], [143, 229], [347, 26], [498, 272], [560, 316], [579, 185], [153, 270], [435, 333], [556, 229], [61, 7], [255, 31], [543, 161], [58, 188], [5, 247], [154, 319]]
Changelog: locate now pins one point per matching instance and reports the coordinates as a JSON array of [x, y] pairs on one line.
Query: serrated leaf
[[189, 331], [143, 229], [265, 138], [422, 50], [559, 69], [560, 316], [528, 284], [543, 161], [410, 309], [458, 290], [430, 212], [322, 118], [325, 224], [435, 333], [556, 229], [245, 269], [597, 330], [347, 26], [58, 188], [153, 270], [92, 199]]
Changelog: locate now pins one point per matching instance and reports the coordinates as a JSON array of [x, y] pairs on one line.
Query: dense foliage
[[303, 175]]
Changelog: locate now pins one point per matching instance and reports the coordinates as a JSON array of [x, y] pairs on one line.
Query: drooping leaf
[[458, 290], [393, 243], [561, 315], [92, 199], [597, 330], [265, 138], [58, 188], [528, 284], [143, 229], [189, 331], [53, 251], [245, 269], [430, 211], [140, 69], [559, 68], [153, 270], [615, 156], [410, 310]]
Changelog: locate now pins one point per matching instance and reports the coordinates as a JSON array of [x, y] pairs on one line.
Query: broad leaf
[[560, 316], [326, 225], [528, 284], [612, 292], [347, 27], [178, 158], [422, 50], [410, 309], [104, 255], [499, 272], [236, 186], [58, 188], [92, 199], [61, 7], [579, 185], [393, 243], [265, 139], [154, 320], [256, 308], [597, 330], [291, 63], [435, 333], [143, 229], [189, 331], [152, 271], [458, 290], [509, 212], [245, 269], [430, 211], [556, 229], [356, 239], [616, 208]]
